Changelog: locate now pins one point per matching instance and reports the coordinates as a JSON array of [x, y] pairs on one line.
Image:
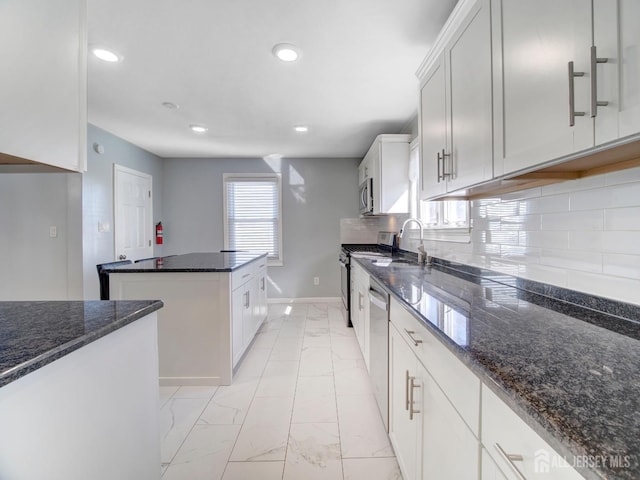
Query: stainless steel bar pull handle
[[594, 82], [416, 341], [510, 458], [572, 106], [406, 391], [440, 177], [412, 387]]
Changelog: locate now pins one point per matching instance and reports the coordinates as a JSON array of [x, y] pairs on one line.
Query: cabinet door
[[403, 430], [471, 142], [43, 85], [433, 130], [616, 24], [490, 471], [449, 448], [538, 40], [237, 309]]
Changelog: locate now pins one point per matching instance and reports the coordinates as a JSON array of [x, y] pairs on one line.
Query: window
[[253, 214], [446, 220]]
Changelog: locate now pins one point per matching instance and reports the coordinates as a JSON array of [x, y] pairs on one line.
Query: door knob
[[122, 257]]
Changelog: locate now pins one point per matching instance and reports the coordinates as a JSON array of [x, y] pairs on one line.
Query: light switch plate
[[53, 231]]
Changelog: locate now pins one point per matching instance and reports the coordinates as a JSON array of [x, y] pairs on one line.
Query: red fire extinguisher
[[159, 233]]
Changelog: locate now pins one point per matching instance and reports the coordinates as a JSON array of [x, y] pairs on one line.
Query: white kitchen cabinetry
[[387, 164], [248, 306], [516, 450], [456, 105], [43, 87], [360, 308], [532, 82], [405, 429], [615, 37], [434, 405]]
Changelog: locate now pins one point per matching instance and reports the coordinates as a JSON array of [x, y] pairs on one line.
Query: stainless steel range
[[386, 245]]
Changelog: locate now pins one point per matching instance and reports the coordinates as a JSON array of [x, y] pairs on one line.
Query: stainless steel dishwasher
[[379, 346]]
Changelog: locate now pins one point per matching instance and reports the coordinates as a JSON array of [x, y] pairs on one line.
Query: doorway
[[133, 213]]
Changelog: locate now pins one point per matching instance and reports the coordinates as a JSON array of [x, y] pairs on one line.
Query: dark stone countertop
[[192, 262], [571, 372], [33, 334]]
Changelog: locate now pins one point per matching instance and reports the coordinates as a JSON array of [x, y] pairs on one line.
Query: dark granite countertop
[[192, 262], [33, 334], [570, 367]]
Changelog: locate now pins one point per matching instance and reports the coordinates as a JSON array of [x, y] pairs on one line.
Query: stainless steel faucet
[[422, 254]]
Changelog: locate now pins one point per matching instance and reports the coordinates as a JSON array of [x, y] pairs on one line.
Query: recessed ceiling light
[[170, 105], [286, 52], [301, 128], [198, 128], [106, 55]]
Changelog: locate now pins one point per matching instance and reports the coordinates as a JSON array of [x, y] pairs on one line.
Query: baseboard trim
[[306, 300]]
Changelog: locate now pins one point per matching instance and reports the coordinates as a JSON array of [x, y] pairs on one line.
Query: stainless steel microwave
[[366, 197]]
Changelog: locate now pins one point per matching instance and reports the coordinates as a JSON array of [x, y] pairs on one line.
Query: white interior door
[[133, 216]]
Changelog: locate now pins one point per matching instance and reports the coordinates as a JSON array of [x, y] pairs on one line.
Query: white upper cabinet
[[456, 105], [535, 92], [43, 87], [616, 40], [387, 164]]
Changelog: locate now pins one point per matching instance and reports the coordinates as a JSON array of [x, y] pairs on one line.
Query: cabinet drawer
[[505, 433], [242, 275], [459, 384]]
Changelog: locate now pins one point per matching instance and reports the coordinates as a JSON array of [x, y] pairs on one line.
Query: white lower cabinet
[[360, 309], [490, 470], [248, 307], [516, 450], [404, 431], [430, 438]]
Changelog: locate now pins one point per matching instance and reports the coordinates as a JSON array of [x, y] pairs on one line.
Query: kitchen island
[[214, 304], [79, 390], [521, 352]]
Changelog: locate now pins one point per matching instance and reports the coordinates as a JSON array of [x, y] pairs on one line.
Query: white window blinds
[[253, 214]]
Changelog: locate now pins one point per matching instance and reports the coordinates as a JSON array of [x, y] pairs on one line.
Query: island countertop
[[34, 334], [192, 262], [568, 367]]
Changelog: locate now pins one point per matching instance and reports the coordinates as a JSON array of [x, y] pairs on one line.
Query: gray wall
[[316, 193], [97, 198], [36, 266]]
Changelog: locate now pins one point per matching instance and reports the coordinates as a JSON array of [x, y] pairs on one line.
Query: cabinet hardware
[[442, 176], [416, 341], [246, 275], [572, 106], [247, 300], [406, 391], [360, 298], [412, 387], [510, 458], [262, 284], [594, 82]]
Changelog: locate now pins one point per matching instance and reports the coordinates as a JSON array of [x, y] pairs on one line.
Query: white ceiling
[[355, 79]]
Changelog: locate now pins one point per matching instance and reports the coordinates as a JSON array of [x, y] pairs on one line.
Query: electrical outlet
[[316, 280]]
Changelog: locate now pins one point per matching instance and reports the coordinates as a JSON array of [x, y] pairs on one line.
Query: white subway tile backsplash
[[554, 203], [623, 176], [622, 218], [627, 242], [572, 260], [545, 238], [622, 265], [578, 221], [582, 234]]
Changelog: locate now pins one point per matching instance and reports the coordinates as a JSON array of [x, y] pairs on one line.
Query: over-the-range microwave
[[366, 197]]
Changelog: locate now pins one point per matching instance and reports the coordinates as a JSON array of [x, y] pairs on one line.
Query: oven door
[[366, 197]]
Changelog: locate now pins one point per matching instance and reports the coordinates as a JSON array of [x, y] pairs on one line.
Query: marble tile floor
[[301, 407]]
